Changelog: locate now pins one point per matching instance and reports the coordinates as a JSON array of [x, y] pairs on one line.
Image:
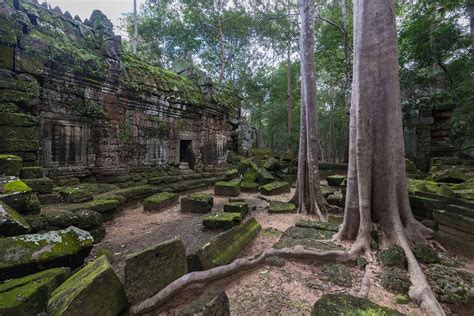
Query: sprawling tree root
[[365, 286], [173, 288]]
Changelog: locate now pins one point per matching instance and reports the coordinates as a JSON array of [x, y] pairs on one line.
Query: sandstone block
[[160, 201], [225, 247], [10, 165], [12, 223], [29, 295], [24, 254], [150, 270], [227, 188], [277, 207], [212, 302], [93, 290], [237, 207], [222, 220], [197, 203], [275, 188]]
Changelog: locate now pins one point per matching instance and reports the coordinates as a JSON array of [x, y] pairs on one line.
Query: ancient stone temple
[[73, 102]]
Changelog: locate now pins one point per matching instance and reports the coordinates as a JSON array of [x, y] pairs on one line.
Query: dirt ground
[[291, 289]]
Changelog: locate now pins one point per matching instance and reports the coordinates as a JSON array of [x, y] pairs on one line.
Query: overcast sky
[[113, 9]]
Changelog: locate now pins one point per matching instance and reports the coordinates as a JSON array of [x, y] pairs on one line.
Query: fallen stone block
[[223, 248], [93, 290], [264, 176], [49, 198], [249, 187], [336, 198], [212, 302], [307, 237], [32, 172], [10, 165], [24, 254], [277, 207], [84, 219], [222, 220], [452, 241], [237, 207], [12, 223], [150, 270], [336, 180], [230, 174], [275, 188], [160, 201], [197, 203], [229, 188], [18, 195], [346, 304], [40, 185], [138, 192], [459, 222], [450, 175], [29, 295], [250, 175]]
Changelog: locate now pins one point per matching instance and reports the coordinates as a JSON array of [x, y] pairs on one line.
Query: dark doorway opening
[[186, 153]]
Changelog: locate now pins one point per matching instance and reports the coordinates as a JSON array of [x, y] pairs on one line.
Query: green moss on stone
[[230, 188], [337, 273], [160, 201], [197, 203], [28, 253], [31, 172], [237, 207], [275, 188], [10, 165], [14, 185], [93, 290], [225, 247], [18, 119], [277, 207], [425, 253], [336, 180], [249, 186], [12, 223], [392, 256], [40, 185], [345, 304], [224, 220], [395, 280], [29, 295], [250, 176], [451, 285]]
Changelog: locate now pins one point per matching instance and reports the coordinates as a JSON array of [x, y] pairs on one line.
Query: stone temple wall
[[73, 102], [427, 135]]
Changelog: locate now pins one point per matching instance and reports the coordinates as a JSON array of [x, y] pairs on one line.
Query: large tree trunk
[[470, 9], [308, 194], [377, 190], [289, 104]]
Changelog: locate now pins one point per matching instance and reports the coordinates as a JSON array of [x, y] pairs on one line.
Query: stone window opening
[[186, 153], [64, 143], [156, 152]]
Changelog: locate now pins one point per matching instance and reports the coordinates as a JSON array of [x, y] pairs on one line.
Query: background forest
[[253, 45]]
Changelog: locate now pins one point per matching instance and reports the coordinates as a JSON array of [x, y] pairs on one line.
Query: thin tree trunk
[[222, 50], [377, 192], [135, 28], [289, 106], [347, 56], [308, 195], [470, 9]]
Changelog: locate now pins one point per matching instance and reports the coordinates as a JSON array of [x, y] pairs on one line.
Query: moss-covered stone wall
[[72, 101]]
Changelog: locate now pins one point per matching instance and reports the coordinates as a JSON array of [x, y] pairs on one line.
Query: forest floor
[[289, 287]]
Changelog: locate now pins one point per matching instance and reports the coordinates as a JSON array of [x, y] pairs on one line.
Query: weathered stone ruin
[[86, 130]]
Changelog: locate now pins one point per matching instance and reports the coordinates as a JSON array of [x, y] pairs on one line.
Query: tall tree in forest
[[377, 189], [135, 28], [308, 195]]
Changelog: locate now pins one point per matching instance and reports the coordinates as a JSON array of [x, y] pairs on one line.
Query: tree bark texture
[[377, 192], [308, 194]]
